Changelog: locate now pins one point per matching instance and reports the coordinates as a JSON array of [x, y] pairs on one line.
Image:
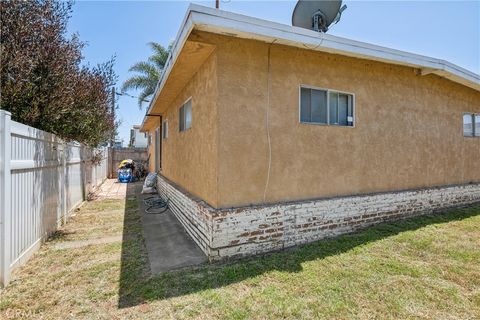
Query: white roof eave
[[237, 25], [182, 35], [212, 20]]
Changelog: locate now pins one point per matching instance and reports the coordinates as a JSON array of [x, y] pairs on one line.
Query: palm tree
[[148, 72]]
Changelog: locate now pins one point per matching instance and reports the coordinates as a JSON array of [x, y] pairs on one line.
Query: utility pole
[[112, 139], [111, 150], [217, 4]]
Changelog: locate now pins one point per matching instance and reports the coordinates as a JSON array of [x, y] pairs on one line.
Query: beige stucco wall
[[408, 131], [189, 158]]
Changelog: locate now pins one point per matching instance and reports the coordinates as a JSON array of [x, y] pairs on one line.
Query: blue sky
[[448, 30]]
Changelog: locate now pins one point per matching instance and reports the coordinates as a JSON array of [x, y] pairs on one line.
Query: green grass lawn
[[426, 267]]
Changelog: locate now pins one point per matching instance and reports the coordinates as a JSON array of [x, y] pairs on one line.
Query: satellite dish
[[317, 15]]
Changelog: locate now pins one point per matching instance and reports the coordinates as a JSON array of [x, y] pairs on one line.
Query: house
[[137, 139], [118, 144], [266, 136]]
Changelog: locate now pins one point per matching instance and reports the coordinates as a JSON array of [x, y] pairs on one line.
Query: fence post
[[63, 186], [109, 162], [5, 197]]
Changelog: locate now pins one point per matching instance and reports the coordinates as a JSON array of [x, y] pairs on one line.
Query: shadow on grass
[[138, 286], [134, 267]]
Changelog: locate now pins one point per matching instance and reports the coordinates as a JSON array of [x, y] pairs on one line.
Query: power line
[[129, 95]]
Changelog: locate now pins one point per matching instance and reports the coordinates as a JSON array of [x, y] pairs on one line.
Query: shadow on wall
[[138, 286]]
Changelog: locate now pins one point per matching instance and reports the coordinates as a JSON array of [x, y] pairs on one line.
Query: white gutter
[[237, 25]]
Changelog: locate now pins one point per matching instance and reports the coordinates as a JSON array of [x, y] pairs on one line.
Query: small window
[[185, 116], [165, 129], [468, 127], [326, 107], [477, 125]]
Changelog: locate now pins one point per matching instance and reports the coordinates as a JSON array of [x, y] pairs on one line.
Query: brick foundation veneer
[[223, 233]]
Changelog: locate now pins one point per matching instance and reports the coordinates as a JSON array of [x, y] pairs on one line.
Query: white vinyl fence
[[42, 179]]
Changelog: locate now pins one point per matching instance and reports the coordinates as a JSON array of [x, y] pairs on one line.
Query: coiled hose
[[155, 205]]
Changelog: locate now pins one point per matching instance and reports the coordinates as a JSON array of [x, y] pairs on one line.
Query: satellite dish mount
[[317, 15], [319, 22]]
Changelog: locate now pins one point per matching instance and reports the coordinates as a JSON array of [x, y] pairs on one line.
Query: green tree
[[42, 80], [147, 73]]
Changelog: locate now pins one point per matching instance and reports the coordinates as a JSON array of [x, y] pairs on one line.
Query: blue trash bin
[[125, 175]]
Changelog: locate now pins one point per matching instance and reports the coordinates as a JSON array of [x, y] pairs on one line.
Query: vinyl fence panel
[[42, 179], [74, 180]]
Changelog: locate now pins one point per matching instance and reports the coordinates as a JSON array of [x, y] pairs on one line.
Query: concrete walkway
[[111, 189], [169, 247]]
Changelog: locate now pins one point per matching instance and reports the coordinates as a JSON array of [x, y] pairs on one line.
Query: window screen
[[333, 107], [181, 119], [188, 114], [468, 124], [318, 106], [305, 111], [477, 125], [343, 102], [165, 129], [326, 107], [185, 116]]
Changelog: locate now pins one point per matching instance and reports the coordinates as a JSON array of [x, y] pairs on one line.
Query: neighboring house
[[274, 135], [137, 139], [118, 144]]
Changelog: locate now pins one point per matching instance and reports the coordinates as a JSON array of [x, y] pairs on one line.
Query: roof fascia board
[[208, 19], [283, 31], [319, 43]]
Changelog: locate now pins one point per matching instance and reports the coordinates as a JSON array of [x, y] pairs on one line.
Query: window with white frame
[[328, 107], [165, 129], [471, 125], [185, 116]]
